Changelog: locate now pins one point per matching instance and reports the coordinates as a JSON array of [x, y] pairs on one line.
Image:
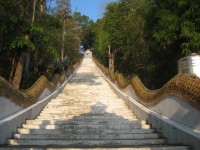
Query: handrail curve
[[185, 87], [25, 98]]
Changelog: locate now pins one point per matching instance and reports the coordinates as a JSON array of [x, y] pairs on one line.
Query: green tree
[[87, 25], [122, 27], [25, 26], [172, 31]]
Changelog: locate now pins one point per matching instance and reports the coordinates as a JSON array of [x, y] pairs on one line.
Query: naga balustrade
[[173, 110]]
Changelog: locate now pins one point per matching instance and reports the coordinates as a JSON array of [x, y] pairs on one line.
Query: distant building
[[88, 53]]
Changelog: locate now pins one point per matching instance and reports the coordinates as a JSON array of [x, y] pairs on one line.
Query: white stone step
[[86, 131], [160, 147], [69, 113], [97, 127], [48, 113], [93, 122], [87, 96], [89, 117], [80, 105], [87, 101], [88, 136], [71, 108], [82, 143], [79, 109], [119, 108], [70, 98]]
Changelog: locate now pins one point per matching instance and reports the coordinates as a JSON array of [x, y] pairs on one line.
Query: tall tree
[[64, 11], [123, 24], [172, 31], [87, 25], [23, 54]]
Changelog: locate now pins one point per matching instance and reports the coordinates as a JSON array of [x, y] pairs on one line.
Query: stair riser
[[84, 117], [88, 137], [94, 122], [163, 147], [86, 131], [101, 127], [81, 113], [77, 143], [67, 111], [71, 106], [85, 102]]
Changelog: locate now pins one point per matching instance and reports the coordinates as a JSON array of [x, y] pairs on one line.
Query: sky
[[92, 8]]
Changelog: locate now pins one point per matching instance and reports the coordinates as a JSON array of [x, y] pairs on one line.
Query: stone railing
[[173, 110], [16, 105], [28, 97], [185, 87]]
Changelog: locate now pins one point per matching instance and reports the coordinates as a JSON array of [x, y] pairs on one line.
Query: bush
[[55, 67]]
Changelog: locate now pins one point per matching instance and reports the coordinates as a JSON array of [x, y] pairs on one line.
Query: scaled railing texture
[[28, 97], [186, 87]]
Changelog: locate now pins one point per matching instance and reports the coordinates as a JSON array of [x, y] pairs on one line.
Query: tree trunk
[[27, 63], [111, 59], [42, 6], [36, 62], [19, 70], [31, 19], [112, 63], [13, 68], [32, 13], [63, 41]]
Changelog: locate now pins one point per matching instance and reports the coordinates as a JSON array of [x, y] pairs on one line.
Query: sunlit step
[[86, 113], [73, 111], [87, 100], [79, 105]]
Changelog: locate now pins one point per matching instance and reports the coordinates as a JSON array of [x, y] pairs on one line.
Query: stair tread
[[86, 142], [146, 147], [85, 131], [88, 136], [82, 122]]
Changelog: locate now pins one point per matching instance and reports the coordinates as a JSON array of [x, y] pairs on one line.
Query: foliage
[[177, 22], [148, 37], [87, 25], [20, 42], [122, 28], [44, 41], [172, 32], [55, 67], [46, 32]]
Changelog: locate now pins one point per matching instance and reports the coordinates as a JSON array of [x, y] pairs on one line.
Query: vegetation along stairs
[[88, 114]]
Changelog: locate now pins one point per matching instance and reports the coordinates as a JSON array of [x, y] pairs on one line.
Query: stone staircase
[[88, 114]]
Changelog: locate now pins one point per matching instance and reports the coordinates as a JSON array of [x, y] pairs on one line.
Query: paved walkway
[[89, 89]]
